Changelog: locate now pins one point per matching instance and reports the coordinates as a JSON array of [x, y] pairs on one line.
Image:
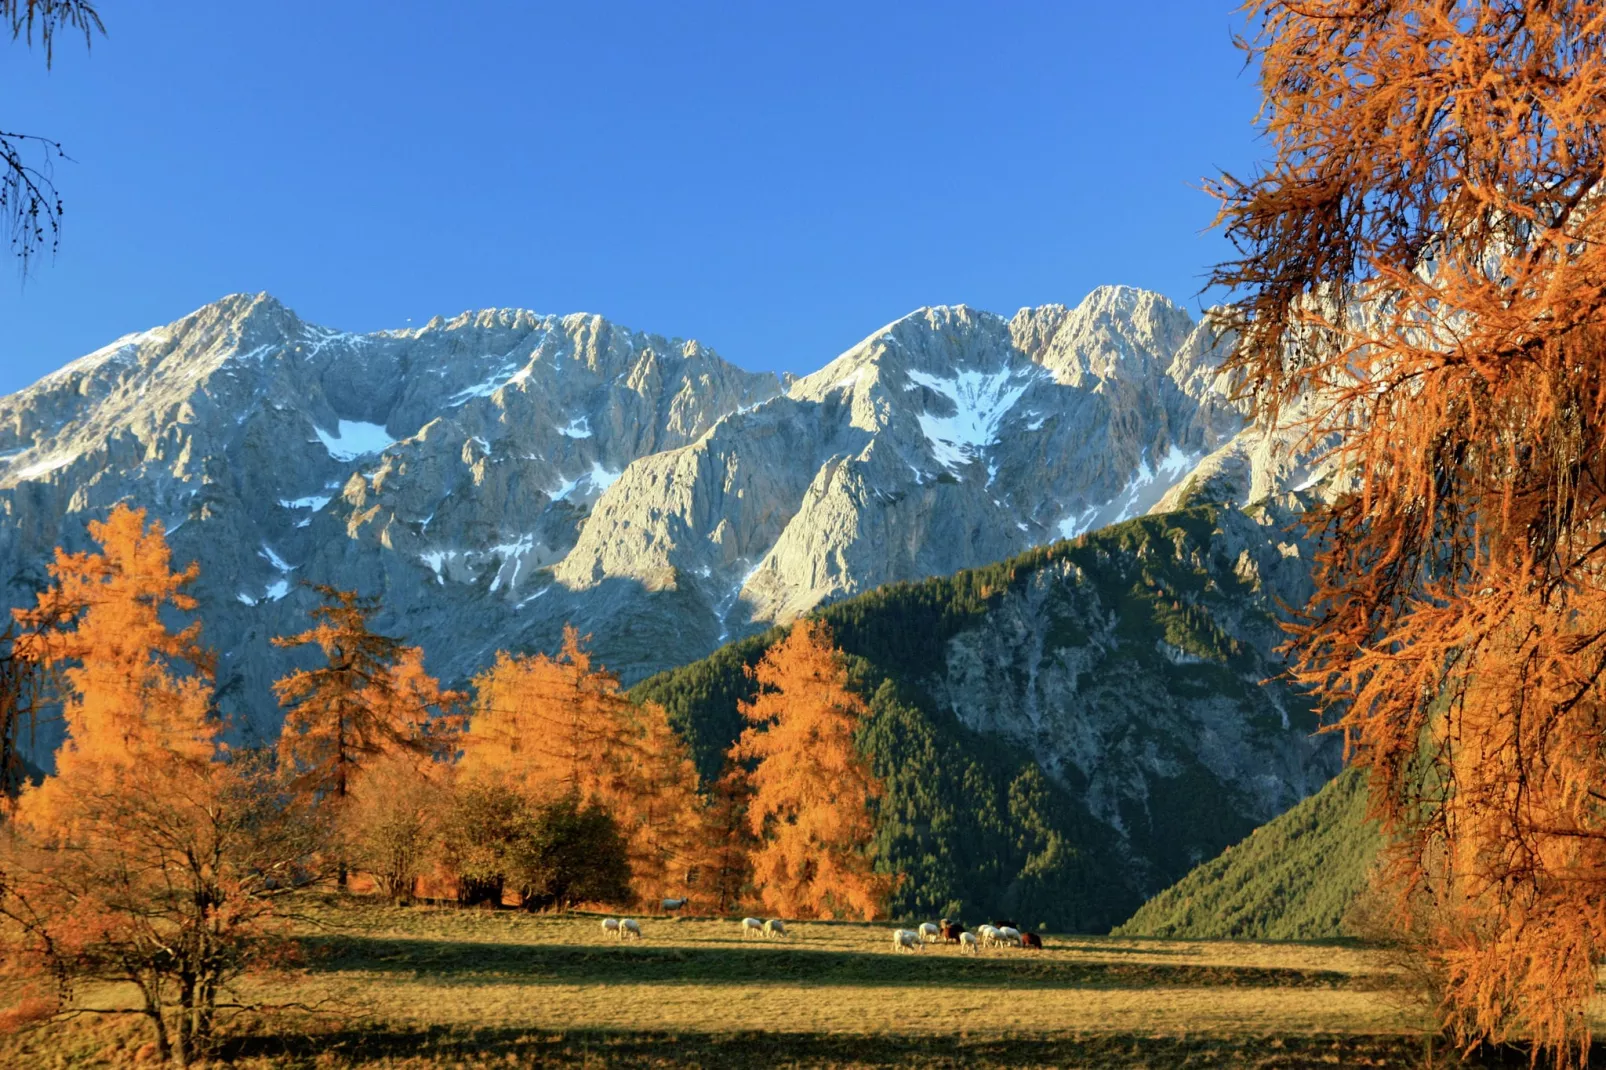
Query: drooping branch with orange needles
[[1422, 275]]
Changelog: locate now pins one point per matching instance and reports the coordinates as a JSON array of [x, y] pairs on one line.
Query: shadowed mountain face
[[494, 475]]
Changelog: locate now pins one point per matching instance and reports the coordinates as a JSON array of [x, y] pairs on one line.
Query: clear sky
[[777, 180]]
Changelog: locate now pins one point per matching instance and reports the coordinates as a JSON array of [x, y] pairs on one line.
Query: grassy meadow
[[435, 987]]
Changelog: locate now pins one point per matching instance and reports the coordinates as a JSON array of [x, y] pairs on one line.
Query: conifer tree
[[135, 690], [553, 725], [661, 811], [560, 726], [1422, 286], [370, 697], [724, 864], [812, 792], [150, 858]]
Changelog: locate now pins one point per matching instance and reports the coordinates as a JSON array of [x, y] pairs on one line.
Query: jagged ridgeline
[[1066, 732], [497, 475], [1294, 878]]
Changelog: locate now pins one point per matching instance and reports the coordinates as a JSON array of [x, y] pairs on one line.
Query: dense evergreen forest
[[1294, 878]]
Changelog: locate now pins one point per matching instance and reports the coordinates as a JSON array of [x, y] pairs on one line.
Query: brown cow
[[950, 933], [1028, 940]]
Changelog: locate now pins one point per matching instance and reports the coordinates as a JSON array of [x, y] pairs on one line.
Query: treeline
[[156, 855]]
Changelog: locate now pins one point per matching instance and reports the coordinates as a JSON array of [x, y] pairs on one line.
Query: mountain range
[[495, 475]]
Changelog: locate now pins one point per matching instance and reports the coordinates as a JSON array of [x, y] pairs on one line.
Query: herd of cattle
[[1004, 934]]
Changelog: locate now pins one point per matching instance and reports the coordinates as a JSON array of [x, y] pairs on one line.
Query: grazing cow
[[774, 927], [951, 932], [989, 935], [610, 926], [628, 927], [929, 931], [1031, 940], [672, 904], [905, 940], [968, 942], [752, 925], [1009, 935]]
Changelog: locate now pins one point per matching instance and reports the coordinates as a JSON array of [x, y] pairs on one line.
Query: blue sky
[[777, 180]]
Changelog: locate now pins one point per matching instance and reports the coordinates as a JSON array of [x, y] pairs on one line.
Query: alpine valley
[[493, 476]]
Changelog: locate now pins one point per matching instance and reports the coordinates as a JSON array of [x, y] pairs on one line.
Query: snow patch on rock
[[980, 400], [579, 427], [354, 438]]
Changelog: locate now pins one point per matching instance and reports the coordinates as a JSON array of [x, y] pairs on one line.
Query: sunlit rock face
[[495, 475]]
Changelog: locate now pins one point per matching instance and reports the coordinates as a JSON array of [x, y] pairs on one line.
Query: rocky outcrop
[[1140, 668], [949, 438]]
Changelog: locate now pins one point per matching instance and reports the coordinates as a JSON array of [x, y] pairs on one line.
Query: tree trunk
[[150, 992]]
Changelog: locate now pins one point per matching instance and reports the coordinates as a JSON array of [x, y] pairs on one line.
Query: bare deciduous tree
[[30, 205]]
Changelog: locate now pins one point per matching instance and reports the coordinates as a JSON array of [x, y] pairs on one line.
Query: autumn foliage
[[151, 857], [1423, 283], [552, 723], [557, 726], [134, 690], [157, 857], [370, 697], [812, 792]]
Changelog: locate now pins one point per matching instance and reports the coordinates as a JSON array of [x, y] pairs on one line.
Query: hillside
[[1293, 878], [1066, 732]]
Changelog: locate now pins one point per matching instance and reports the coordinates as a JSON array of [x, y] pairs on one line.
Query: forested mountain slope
[[1066, 732], [1294, 878]]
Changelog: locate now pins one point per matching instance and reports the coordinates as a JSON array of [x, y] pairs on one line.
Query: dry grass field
[[430, 988]]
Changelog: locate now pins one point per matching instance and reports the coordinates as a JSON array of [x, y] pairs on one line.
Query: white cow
[[905, 939], [1009, 936], [610, 927], [628, 927], [967, 942], [752, 925], [929, 932], [989, 935], [774, 927]]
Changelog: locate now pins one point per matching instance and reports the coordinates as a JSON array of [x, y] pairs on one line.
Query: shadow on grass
[[480, 1047], [543, 963]]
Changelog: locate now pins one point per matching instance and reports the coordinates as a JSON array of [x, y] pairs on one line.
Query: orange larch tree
[[556, 726], [551, 725], [812, 792], [150, 857], [134, 688], [1423, 279], [371, 697], [724, 864], [661, 812]]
